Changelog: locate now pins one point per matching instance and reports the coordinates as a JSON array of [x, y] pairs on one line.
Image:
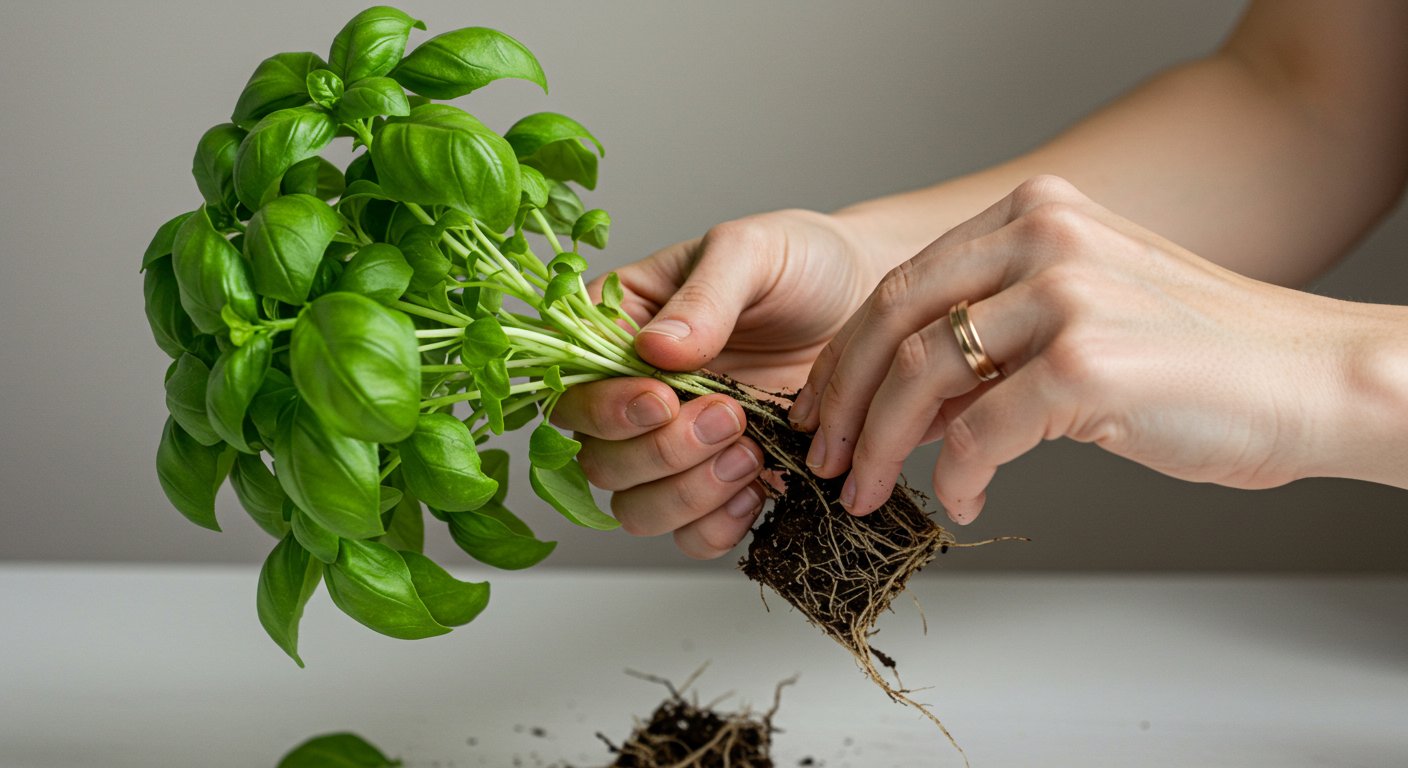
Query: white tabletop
[[167, 666]]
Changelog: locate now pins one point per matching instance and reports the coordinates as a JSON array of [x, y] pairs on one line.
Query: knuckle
[[961, 442], [748, 236], [695, 498], [668, 452], [912, 358], [1041, 189], [1072, 363], [892, 294], [1058, 224]]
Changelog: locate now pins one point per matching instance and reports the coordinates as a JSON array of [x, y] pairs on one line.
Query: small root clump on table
[[683, 734], [841, 571]]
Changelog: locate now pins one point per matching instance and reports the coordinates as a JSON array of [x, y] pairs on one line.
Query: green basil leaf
[[190, 474], [421, 247], [356, 364], [484, 340], [285, 242], [493, 462], [214, 164], [562, 211], [568, 262], [406, 528], [162, 242], [379, 271], [519, 416], [371, 583], [553, 378], [440, 155], [314, 176], [494, 536], [535, 187], [440, 466], [337, 750], [556, 145], [492, 379], [275, 395], [289, 577], [234, 380], [319, 541], [332, 477], [325, 88], [372, 97], [260, 494], [274, 145], [186, 382], [451, 602], [171, 326], [559, 287], [210, 274], [592, 228], [611, 292], [550, 449], [371, 44], [450, 65], [493, 410], [567, 491], [389, 498], [360, 169], [279, 82]]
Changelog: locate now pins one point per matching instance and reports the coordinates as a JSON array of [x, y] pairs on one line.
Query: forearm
[[1271, 168], [1364, 422]]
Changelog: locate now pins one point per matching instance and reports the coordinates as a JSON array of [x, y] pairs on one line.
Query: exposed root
[[840, 571]]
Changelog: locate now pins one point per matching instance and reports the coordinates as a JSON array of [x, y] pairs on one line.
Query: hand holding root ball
[[755, 298], [1126, 284]]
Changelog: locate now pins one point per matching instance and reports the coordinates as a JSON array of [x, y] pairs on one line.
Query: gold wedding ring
[[971, 345]]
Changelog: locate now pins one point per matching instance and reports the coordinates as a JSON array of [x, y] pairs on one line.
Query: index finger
[[616, 409]]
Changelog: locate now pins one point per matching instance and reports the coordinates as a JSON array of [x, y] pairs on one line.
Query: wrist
[[1369, 436]]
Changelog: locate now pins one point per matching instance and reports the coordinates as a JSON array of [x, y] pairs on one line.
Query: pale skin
[[1188, 351]]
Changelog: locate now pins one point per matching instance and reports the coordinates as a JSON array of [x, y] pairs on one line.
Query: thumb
[[695, 323]]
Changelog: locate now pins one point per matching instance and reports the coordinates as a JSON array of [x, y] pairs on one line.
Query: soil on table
[[681, 733]]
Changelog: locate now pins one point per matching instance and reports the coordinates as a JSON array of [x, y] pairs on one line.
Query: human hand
[[1106, 333], [755, 298]]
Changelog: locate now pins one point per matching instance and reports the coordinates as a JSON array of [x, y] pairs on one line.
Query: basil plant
[[345, 340]]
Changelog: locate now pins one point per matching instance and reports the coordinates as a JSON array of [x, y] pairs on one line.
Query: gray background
[[708, 111]]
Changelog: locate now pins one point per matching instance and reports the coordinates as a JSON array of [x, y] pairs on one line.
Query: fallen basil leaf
[[337, 750]]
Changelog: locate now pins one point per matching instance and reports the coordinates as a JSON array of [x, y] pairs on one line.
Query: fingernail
[[716, 424], [745, 503], [675, 329], [801, 407], [734, 464], [648, 410], [816, 455], [848, 492]]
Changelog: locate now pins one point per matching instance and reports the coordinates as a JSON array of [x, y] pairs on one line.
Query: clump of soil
[[683, 734], [840, 571]]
